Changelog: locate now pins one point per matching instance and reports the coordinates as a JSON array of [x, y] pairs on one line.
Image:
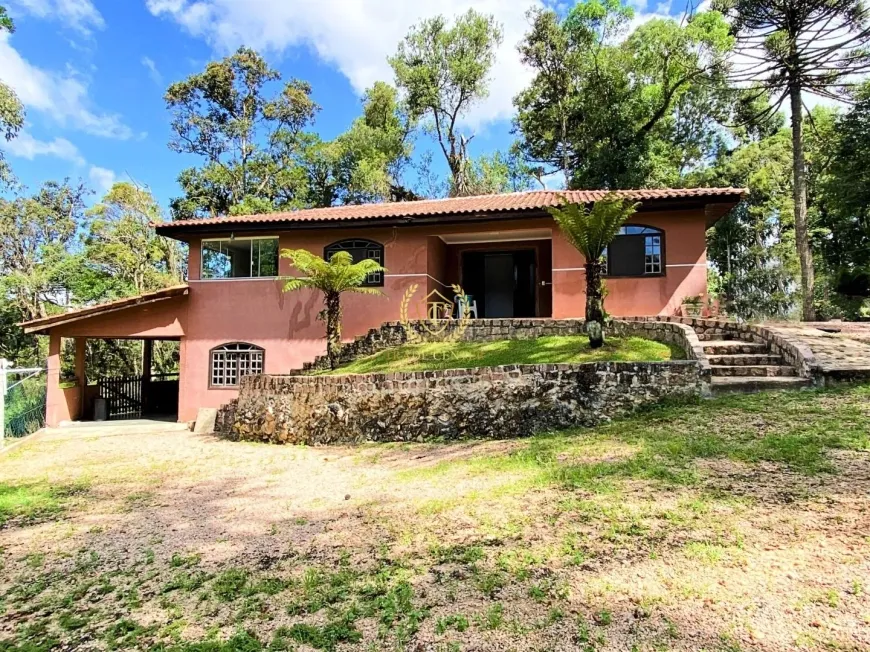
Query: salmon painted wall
[[285, 325], [685, 271]]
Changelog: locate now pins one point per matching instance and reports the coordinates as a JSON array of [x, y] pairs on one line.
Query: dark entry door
[[502, 282], [499, 280]]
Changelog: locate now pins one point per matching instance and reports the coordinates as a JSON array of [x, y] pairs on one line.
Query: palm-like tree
[[333, 277], [590, 231]]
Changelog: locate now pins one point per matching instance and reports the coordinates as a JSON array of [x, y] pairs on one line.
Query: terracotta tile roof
[[536, 200], [40, 325]]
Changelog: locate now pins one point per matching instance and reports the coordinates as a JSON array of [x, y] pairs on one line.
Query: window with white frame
[[360, 250], [637, 251], [230, 362], [239, 258]]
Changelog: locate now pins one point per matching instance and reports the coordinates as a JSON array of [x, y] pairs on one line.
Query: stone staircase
[[743, 365]]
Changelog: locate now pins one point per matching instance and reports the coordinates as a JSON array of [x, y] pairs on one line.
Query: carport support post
[[81, 373], [147, 358], [54, 394]]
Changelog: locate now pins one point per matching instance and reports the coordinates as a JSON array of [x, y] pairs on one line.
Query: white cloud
[[354, 35], [28, 147], [80, 15], [62, 97], [102, 178], [155, 75]]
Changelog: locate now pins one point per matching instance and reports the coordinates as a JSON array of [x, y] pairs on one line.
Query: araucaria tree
[[333, 278], [591, 231], [792, 47], [444, 71]]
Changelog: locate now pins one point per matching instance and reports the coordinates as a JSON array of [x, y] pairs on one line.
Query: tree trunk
[[801, 228], [333, 327], [594, 305]]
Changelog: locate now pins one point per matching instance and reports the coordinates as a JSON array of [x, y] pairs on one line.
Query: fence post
[[4, 365]]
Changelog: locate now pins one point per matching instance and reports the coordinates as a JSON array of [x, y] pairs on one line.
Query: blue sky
[[92, 73]]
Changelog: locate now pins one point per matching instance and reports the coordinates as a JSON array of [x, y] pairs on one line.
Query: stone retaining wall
[[494, 402]]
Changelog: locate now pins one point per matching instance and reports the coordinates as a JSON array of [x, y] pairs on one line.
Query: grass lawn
[[740, 523], [459, 355]]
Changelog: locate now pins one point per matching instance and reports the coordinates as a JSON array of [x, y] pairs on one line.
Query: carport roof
[[42, 326]]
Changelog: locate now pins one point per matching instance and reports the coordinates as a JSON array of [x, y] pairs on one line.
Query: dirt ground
[[614, 539]]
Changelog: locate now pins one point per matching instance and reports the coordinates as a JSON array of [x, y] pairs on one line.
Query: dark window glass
[[240, 258], [360, 250], [636, 251]]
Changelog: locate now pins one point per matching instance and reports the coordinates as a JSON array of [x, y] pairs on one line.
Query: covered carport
[[158, 315]]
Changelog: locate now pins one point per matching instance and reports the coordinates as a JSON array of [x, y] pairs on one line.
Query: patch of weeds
[[187, 581], [707, 553], [554, 616], [184, 561], [268, 586], [494, 617], [539, 593], [231, 584], [455, 621], [239, 642], [33, 636], [603, 618], [327, 637], [829, 598], [459, 554], [137, 499], [573, 550], [70, 621], [397, 613], [35, 559], [125, 633], [320, 589], [490, 583]]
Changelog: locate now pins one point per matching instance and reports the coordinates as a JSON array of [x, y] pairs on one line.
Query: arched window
[[229, 362], [360, 250], [638, 250]]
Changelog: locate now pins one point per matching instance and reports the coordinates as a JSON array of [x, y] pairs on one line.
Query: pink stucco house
[[231, 317]]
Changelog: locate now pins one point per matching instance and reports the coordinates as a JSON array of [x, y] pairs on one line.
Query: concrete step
[[733, 347], [754, 371], [725, 385], [742, 359]]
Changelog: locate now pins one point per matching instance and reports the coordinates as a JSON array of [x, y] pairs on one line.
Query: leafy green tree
[[794, 47], [497, 172], [365, 163], [844, 197], [36, 232], [591, 231], [11, 109], [444, 71], [248, 138], [613, 109], [753, 246], [122, 255], [333, 278]]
